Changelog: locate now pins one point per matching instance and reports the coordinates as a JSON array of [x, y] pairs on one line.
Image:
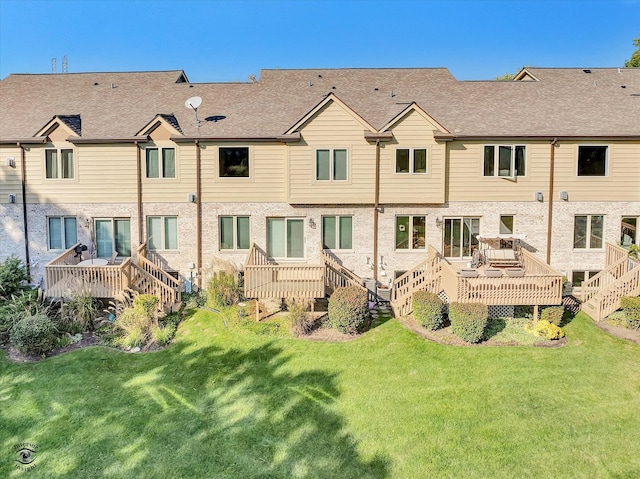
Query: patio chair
[[114, 255]]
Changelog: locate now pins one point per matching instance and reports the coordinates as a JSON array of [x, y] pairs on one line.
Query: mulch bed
[[445, 336], [632, 335]]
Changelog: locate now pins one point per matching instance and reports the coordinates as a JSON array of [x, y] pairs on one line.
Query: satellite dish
[[194, 102]]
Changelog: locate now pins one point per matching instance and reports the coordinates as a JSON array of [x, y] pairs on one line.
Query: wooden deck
[[64, 278], [533, 283]]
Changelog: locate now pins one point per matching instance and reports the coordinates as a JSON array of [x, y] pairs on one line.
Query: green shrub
[[300, 321], [349, 309], [13, 273], [24, 303], [147, 305], [618, 318], [135, 327], [548, 330], [428, 309], [468, 320], [631, 307], [33, 334], [78, 314], [224, 289], [163, 335], [553, 314]]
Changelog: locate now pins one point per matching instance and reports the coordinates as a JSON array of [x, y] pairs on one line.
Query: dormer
[[161, 128], [61, 127]]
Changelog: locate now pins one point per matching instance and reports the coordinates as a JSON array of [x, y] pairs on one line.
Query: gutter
[[189, 139], [96, 141], [139, 190], [376, 211], [450, 137], [552, 160], [198, 215], [23, 179], [25, 141]]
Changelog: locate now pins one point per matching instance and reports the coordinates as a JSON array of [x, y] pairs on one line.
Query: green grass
[[229, 403]]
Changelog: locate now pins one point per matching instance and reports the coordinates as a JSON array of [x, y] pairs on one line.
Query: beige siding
[[467, 183], [331, 127], [266, 180], [170, 190], [102, 174], [10, 176], [622, 182], [412, 131]]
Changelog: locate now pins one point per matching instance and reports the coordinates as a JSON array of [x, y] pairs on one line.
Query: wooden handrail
[[147, 283], [66, 258], [426, 275], [614, 253], [608, 298]]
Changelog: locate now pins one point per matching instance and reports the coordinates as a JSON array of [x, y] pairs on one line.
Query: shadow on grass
[[494, 326], [187, 412]]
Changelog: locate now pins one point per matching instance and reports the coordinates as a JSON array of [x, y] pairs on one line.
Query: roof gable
[[414, 107], [330, 98], [71, 124], [525, 75], [166, 122]]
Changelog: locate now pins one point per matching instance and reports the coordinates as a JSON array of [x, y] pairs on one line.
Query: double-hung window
[[234, 232], [113, 234], [162, 232], [58, 163], [588, 231], [578, 277], [285, 237], [410, 232], [507, 161], [161, 162], [506, 224], [233, 162], [592, 160], [411, 160], [337, 232], [331, 165], [63, 232]]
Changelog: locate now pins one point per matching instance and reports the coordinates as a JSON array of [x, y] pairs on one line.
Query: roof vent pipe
[[391, 94]]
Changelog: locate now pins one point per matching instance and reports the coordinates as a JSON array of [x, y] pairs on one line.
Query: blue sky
[[229, 40]]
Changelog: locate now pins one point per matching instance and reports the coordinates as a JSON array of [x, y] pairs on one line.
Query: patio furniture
[[493, 273], [515, 272], [469, 273]]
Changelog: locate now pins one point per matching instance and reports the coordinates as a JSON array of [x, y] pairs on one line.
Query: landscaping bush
[[78, 314], [428, 309], [13, 273], [300, 321], [468, 320], [138, 322], [548, 330], [349, 309], [23, 303], [631, 307], [224, 289], [553, 314], [163, 335], [33, 334]]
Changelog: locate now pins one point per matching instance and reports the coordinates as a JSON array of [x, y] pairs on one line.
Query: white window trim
[[160, 163], [606, 161], [461, 218], [337, 217], [512, 166], [62, 231], [235, 178], [588, 248], [235, 234], [59, 163], [395, 239], [112, 219], [411, 161], [332, 165], [162, 232]]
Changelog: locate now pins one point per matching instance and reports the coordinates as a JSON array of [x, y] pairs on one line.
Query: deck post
[[535, 314]]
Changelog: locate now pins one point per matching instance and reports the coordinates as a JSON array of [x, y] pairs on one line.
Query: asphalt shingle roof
[[564, 102]]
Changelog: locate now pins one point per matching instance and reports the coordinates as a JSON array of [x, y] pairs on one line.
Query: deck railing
[[617, 264], [265, 279], [426, 275], [64, 279], [540, 285], [621, 277], [146, 283], [608, 298]]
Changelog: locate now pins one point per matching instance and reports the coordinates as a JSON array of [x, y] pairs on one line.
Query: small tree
[[13, 273], [634, 61]]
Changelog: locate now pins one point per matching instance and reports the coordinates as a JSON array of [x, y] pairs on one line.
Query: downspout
[[139, 188], [23, 178], [375, 212], [198, 217], [550, 201]]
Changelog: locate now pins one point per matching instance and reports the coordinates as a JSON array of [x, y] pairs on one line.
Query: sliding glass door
[[285, 237], [460, 237], [110, 232]]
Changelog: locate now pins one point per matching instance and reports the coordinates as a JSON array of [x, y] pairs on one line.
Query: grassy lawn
[[234, 404]]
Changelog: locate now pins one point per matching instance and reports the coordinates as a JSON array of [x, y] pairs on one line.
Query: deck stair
[[148, 278], [621, 277]]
